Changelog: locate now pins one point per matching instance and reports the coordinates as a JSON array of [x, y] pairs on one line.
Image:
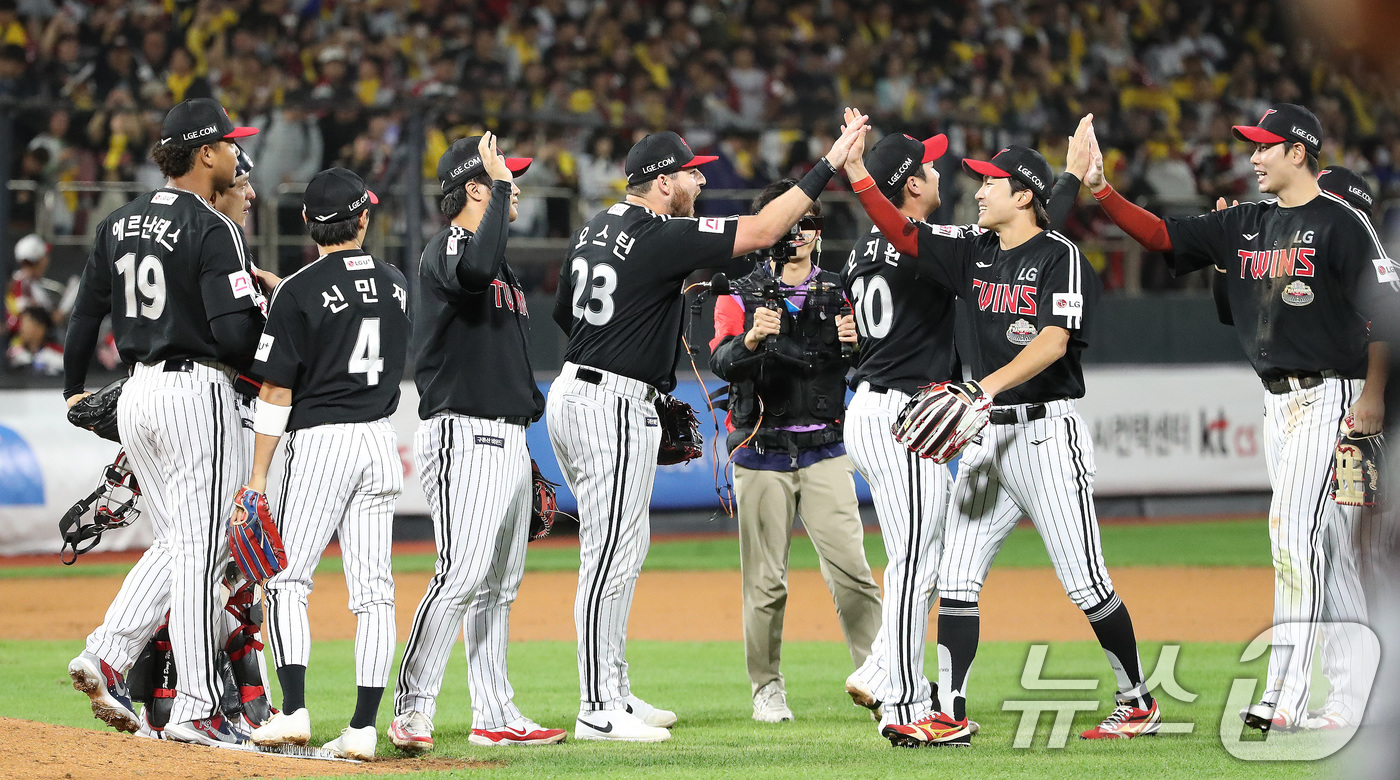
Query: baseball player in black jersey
[[331, 358], [620, 302], [174, 273], [1305, 273], [1029, 291], [905, 321], [478, 395]]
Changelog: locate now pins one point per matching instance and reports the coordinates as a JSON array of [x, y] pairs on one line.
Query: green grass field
[[705, 683]]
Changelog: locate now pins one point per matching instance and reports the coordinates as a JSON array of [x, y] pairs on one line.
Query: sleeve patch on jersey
[[242, 284], [948, 231], [164, 198], [360, 263], [712, 224], [264, 348], [1067, 304], [491, 441], [451, 245], [618, 209], [1385, 270]]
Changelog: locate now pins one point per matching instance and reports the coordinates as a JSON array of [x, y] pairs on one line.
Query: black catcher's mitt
[[98, 412], [542, 514], [680, 431]]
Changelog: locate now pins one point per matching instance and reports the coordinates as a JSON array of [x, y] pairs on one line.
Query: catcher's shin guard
[[243, 667], [152, 678]]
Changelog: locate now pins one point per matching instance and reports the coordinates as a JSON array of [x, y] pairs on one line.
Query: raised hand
[[491, 159], [1094, 176], [1077, 157], [853, 130], [854, 165]]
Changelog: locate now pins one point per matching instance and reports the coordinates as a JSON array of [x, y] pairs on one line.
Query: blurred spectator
[[28, 286], [31, 348]]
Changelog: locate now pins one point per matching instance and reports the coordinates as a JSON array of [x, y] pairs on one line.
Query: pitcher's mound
[[45, 752]]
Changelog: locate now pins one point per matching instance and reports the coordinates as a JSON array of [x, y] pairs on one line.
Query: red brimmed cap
[[335, 195], [200, 121], [462, 162], [659, 154], [1021, 163], [1284, 123], [898, 156]]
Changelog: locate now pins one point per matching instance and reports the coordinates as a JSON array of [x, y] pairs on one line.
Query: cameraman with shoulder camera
[[781, 340]]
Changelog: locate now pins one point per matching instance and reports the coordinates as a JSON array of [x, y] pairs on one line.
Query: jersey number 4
[[599, 288], [874, 307], [149, 278], [364, 358]]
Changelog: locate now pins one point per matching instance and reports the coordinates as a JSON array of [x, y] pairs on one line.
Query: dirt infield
[[1017, 604], [49, 752]]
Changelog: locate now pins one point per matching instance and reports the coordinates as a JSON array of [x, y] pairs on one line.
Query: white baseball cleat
[[618, 726], [652, 716], [412, 732], [770, 704], [284, 728], [217, 731], [105, 686], [358, 744]]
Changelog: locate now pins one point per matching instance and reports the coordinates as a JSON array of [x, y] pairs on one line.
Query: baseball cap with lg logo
[[659, 154], [462, 162], [200, 121], [1284, 123], [898, 156], [335, 195], [1021, 163]]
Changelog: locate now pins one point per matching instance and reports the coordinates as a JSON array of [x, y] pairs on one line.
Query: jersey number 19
[[149, 278], [364, 358]]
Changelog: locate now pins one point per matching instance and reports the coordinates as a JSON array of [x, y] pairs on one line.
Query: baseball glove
[[1356, 477], [542, 515], [941, 419], [680, 431], [253, 538], [98, 412]]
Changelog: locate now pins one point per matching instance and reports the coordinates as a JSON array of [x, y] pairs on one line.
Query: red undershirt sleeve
[[897, 229], [1142, 225]]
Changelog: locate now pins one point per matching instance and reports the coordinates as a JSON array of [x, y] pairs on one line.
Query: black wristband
[[816, 179]]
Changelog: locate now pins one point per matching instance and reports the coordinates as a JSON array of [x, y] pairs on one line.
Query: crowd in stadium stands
[[759, 82]]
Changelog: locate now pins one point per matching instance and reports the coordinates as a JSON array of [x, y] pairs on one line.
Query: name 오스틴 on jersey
[[622, 243]]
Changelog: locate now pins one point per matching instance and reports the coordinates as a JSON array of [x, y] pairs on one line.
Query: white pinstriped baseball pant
[[477, 479], [606, 437], [184, 436], [911, 499], [1316, 579], [341, 478]]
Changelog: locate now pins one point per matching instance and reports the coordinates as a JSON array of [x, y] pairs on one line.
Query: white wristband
[[270, 419]]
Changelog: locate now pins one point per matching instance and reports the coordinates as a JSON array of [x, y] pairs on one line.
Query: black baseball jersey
[[620, 294], [337, 335], [905, 320], [470, 348], [1301, 282], [164, 265], [1012, 295]]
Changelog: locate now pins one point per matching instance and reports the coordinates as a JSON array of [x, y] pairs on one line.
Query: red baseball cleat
[[938, 729], [521, 732], [1126, 722]]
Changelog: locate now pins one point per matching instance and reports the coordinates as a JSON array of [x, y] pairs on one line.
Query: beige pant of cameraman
[[824, 496]]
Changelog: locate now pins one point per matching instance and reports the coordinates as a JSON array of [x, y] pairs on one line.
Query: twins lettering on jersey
[[1274, 263], [512, 297], [1007, 299]]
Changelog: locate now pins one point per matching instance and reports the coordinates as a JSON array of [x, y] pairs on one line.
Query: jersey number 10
[[149, 278], [364, 358], [875, 311]]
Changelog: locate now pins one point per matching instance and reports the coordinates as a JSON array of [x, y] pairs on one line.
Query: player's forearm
[[1040, 354], [269, 422], [1140, 224], [769, 225], [896, 228], [78, 349], [1377, 369], [484, 255], [236, 335], [1062, 199]]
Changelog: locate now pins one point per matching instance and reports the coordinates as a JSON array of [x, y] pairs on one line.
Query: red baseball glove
[[253, 538]]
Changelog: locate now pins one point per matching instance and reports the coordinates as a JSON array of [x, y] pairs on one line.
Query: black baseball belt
[[1010, 417], [1305, 381]]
